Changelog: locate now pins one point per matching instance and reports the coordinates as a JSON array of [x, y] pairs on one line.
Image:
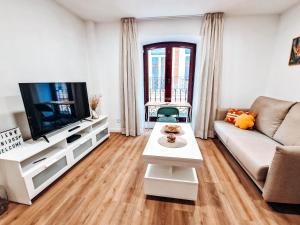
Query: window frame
[[168, 69]]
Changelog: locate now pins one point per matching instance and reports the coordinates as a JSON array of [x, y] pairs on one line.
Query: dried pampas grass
[[95, 101]]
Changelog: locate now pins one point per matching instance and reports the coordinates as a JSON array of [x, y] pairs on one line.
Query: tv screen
[[50, 106]]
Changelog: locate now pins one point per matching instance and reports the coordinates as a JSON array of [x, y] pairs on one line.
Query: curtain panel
[[210, 69], [130, 115]]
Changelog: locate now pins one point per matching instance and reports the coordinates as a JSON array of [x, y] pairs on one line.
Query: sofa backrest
[[288, 132], [270, 114]]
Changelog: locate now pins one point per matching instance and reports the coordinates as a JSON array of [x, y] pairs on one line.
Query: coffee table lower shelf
[[171, 182]]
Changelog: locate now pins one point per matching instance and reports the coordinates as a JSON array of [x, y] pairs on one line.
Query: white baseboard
[[148, 125], [115, 129]]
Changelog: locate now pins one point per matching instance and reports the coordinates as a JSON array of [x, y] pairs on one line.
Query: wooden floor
[[106, 188]]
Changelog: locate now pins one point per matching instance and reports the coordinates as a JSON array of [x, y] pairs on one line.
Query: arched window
[[169, 74]]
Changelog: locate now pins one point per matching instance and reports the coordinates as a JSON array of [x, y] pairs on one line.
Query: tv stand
[[32, 167], [45, 138]]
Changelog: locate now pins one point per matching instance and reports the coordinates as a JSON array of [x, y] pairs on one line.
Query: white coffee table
[[171, 171]]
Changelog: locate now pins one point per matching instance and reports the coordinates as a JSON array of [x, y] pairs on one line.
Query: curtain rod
[[169, 17]]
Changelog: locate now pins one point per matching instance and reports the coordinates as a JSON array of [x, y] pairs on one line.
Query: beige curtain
[[210, 68], [130, 115]]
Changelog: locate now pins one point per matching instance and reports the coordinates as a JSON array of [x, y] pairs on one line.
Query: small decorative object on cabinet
[[3, 200], [95, 102], [10, 139]]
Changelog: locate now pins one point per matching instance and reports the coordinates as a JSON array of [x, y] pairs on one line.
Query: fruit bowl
[[179, 142], [172, 128]]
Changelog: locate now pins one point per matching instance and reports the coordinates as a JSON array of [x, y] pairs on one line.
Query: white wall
[[104, 57], [40, 41], [248, 41], [284, 80], [184, 29]]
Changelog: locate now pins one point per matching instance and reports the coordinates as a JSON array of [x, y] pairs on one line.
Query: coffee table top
[[188, 156]]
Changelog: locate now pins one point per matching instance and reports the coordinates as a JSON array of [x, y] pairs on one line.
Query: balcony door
[[169, 74]]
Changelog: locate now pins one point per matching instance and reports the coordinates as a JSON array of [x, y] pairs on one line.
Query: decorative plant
[[94, 103]]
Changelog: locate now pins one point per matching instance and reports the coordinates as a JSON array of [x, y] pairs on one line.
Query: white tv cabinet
[[24, 179]]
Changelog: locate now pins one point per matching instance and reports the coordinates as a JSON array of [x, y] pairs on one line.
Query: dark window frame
[[168, 69]]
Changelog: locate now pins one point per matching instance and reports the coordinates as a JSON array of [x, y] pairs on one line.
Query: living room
[[125, 62]]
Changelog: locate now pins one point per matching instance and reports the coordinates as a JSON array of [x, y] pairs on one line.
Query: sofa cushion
[[289, 131], [270, 114], [253, 150], [223, 130]]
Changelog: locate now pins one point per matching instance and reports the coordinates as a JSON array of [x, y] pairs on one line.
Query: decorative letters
[[10, 139]]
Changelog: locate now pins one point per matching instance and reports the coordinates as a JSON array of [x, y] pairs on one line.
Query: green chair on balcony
[[167, 115]]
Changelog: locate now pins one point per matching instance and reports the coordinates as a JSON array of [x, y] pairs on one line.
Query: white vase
[[95, 115]]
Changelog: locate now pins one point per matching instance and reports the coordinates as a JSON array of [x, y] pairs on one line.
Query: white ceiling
[[109, 10]]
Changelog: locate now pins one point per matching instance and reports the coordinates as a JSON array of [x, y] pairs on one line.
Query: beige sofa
[[270, 153]]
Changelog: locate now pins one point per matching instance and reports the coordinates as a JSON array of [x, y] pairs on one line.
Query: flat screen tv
[[51, 106]]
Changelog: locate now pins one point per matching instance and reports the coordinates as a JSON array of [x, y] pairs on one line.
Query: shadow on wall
[[16, 119], [20, 119], [13, 115]]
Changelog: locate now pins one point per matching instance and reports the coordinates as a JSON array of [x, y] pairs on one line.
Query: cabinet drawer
[[101, 134], [83, 148], [46, 174], [51, 171]]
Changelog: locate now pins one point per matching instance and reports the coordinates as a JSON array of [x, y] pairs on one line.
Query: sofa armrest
[[221, 113], [283, 180]]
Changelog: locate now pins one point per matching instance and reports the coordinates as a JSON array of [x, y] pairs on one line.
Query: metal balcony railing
[[157, 90], [157, 94]]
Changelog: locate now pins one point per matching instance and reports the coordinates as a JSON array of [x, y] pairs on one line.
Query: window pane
[[157, 60], [180, 74]]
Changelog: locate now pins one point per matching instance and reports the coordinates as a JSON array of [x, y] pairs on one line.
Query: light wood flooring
[[106, 187]]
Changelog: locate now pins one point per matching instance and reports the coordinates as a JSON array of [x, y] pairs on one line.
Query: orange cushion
[[245, 121], [232, 114]]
